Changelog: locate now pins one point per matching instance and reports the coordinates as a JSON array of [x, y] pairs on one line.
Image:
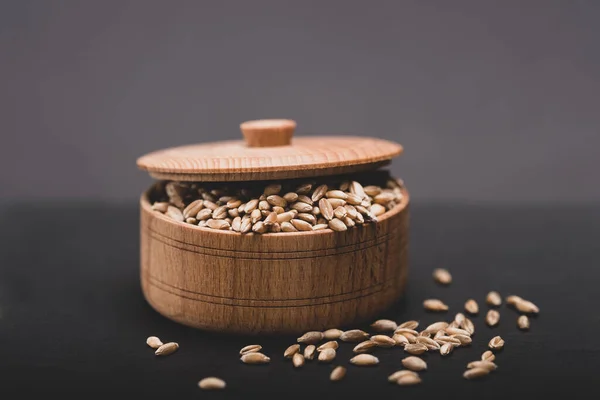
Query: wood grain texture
[[268, 132], [273, 283], [235, 161]]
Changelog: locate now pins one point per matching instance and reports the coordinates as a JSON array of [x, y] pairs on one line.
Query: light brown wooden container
[[272, 283]]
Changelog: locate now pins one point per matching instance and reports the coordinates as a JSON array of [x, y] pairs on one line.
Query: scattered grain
[[399, 374], [364, 360], [312, 337], [492, 318], [309, 351], [383, 341], [496, 343], [154, 342], [298, 360], [290, 351], [488, 356], [446, 349], [442, 276], [332, 334], [409, 324], [475, 373], [211, 383], [166, 349], [400, 340], [493, 299], [328, 345], [364, 347], [354, 335], [255, 358], [435, 305], [471, 306], [251, 348], [523, 322], [384, 325], [414, 363], [489, 365], [327, 355], [409, 380], [338, 373], [415, 348]]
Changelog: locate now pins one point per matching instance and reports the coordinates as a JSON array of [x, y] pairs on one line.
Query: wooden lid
[[268, 152]]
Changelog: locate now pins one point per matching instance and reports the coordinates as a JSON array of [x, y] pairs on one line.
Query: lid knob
[[268, 132]]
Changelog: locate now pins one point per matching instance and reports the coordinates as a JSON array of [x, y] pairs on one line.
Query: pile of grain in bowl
[[336, 202]]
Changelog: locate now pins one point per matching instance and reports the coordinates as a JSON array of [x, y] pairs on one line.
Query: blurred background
[[494, 101]]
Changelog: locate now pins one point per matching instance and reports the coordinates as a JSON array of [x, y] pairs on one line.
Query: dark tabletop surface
[[73, 319]]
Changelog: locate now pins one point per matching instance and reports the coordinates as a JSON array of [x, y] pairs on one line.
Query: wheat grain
[[457, 331], [446, 349], [488, 356], [166, 349], [436, 327], [337, 225], [364, 360], [492, 318], [255, 358], [471, 306], [409, 380], [496, 343], [211, 383], [428, 342], [154, 342], [523, 322], [384, 325], [383, 341], [309, 352], [463, 339], [489, 365], [163, 206], [174, 213], [402, 331], [414, 363], [400, 340], [475, 373], [468, 326], [415, 348], [493, 299], [332, 344], [442, 276], [251, 348], [526, 306], [364, 347], [332, 334], [435, 305], [409, 324], [338, 373], [290, 351], [399, 374], [327, 355], [272, 189], [298, 360], [354, 335], [312, 337]]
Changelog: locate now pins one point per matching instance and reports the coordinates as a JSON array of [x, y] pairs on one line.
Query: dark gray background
[[494, 101]]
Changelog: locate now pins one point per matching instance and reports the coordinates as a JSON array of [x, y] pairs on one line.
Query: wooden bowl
[[273, 283]]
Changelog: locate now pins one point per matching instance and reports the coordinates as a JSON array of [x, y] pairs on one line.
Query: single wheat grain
[[414, 363], [211, 383], [154, 342], [364, 360], [251, 348], [442, 276], [338, 373]]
